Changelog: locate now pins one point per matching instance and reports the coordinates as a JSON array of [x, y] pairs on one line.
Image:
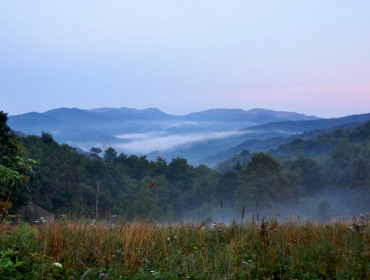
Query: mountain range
[[66, 115], [202, 137]]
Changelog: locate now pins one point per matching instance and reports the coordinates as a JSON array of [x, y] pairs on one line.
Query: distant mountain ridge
[[309, 125], [124, 113], [105, 127], [130, 113], [202, 137], [129, 120], [253, 115]]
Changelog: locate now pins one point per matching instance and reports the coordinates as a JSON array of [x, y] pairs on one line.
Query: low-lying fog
[[155, 141], [145, 143], [164, 136]]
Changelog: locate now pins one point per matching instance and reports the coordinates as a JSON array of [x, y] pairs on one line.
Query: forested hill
[[264, 145], [258, 139], [149, 131], [65, 181], [325, 142], [101, 184], [310, 125], [309, 145]]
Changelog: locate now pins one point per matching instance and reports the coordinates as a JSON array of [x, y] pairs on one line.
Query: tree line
[[103, 184]]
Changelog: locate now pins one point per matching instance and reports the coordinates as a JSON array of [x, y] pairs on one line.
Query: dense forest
[[324, 177]]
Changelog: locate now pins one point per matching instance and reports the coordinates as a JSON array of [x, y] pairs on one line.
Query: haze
[[182, 56]]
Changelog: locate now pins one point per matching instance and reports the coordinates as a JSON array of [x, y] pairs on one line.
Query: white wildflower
[[56, 264]]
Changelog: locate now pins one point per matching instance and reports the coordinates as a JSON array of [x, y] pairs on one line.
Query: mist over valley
[[174, 140], [204, 137], [147, 131]]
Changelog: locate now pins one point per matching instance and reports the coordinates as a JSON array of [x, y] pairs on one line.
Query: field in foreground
[[150, 251]]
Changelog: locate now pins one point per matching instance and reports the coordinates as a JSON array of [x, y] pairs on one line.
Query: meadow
[[264, 250]]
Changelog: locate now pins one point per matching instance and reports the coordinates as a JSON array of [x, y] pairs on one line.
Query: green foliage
[[94, 152], [20, 258], [110, 154], [361, 174], [236, 162], [310, 175], [66, 181], [14, 170], [226, 187], [263, 180]]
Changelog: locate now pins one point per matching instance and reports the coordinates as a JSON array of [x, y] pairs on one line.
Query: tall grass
[[267, 250]]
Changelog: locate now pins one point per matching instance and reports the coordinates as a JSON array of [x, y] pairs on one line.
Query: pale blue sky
[[181, 56]]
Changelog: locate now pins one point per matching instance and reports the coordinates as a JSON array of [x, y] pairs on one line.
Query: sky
[[307, 56]]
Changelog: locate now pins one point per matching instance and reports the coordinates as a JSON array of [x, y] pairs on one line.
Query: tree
[[341, 160], [47, 138], [181, 174], [310, 175], [238, 167], [14, 169], [226, 187], [361, 174], [342, 155], [110, 154], [264, 181], [360, 186], [159, 167]]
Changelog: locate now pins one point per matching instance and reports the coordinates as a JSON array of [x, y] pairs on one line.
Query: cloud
[[148, 142]]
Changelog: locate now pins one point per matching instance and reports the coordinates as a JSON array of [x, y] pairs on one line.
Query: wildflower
[[56, 264], [101, 275]]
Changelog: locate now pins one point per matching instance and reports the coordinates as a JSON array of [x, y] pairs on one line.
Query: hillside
[[66, 180], [314, 144], [135, 131], [259, 145], [259, 138], [323, 143], [206, 137], [310, 125]]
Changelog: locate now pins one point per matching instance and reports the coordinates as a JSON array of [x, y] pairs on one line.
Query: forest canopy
[[105, 183]]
